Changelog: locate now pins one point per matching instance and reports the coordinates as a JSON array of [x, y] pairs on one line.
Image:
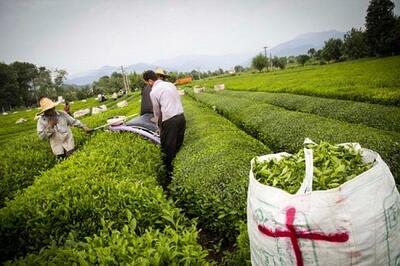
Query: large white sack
[[122, 103], [97, 110], [219, 87], [81, 113], [199, 90], [357, 223]]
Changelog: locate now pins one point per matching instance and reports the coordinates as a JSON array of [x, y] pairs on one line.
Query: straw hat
[[46, 104], [162, 72]]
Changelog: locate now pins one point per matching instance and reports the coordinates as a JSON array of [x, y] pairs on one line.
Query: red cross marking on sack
[[294, 234]]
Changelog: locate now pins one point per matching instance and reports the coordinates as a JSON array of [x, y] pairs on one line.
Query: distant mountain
[[187, 63], [88, 77], [302, 43]]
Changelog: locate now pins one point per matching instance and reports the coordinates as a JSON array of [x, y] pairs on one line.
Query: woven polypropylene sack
[[357, 223]]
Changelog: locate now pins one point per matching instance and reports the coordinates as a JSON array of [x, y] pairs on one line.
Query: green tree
[[83, 92], [332, 49], [259, 62], [61, 75], [291, 59], [311, 52], [238, 68], [380, 27], [280, 62], [135, 81], [318, 54], [116, 82], [195, 74], [43, 83], [102, 85], [396, 38], [8, 87], [302, 59], [26, 74], [354, 44]]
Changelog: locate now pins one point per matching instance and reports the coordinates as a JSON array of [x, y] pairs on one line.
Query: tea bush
[[367, 80], [372, 115], [284, 130], [27, 156], [211, 171], [126, 247], [112, 175]]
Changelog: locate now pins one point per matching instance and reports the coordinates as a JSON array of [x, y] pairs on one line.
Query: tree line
[[115, 82], [22, 83], [381, 37]]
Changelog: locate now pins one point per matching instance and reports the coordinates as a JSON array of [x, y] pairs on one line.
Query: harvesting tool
[[117, 124]]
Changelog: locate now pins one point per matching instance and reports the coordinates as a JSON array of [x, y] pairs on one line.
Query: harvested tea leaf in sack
[[333, 166]]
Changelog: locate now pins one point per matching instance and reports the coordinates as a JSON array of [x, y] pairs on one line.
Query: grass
[[211, 172], [104, 198], [10, 130], [284, 130], [372, 115], [26, 156], [367, 80]]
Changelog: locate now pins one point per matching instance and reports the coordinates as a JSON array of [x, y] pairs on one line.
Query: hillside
[[186, 63], [367, 80]]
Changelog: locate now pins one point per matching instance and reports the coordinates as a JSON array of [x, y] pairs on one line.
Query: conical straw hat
[[160, 71], [46, 104]]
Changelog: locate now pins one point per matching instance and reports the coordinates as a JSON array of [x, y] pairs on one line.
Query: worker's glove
[[87, 129]]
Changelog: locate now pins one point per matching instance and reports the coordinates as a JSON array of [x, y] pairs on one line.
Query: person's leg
[[68, 144], [143, 121], [137, 121], [181, 132], [61, 156], [68, 153], [168, 142]]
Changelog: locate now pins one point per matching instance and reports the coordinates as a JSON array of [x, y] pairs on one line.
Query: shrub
[[126, 247], [211, 171], [366, 80], [372, 115], [112, 175], [284, 130], [25, 157]]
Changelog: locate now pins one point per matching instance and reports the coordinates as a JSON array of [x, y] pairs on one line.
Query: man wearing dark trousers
[[168, 112]]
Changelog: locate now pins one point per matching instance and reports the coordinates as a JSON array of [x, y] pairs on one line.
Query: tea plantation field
[[105, 205], [365, 80]]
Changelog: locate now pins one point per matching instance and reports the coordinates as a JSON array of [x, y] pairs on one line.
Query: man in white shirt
[[168, 112]]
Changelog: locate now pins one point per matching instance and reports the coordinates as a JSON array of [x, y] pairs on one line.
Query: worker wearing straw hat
[[161, 73], [168, 112], [147, 119], [54, 125]]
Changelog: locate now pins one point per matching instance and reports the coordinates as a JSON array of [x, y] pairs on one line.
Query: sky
[[79, 35]]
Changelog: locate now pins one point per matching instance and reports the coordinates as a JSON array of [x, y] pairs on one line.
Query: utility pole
[[266, 57], [125, 79], [270, 59]]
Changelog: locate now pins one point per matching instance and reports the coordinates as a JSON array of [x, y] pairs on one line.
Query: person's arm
[[75, 122], [44, 130], [156, 108]]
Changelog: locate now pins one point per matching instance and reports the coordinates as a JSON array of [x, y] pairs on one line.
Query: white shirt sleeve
[[72, 121], [156, 107], [43, 129]]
